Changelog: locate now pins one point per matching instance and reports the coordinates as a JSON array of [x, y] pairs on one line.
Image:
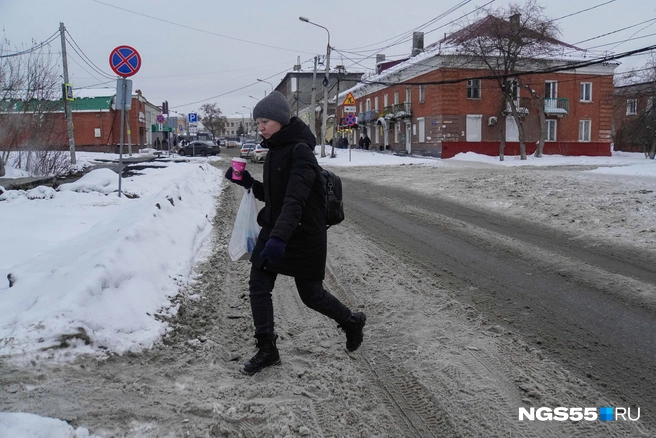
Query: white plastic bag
[[245, 230]]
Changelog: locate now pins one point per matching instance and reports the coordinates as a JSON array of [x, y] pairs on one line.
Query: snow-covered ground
[[93, 272]]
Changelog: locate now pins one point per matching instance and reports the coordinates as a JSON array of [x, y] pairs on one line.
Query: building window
[[586, 91], [396, 98], [421, 128], [376, 103], [551, 90], [585, 129], [368, 105], [385, 100], [551, 129], [408, 95], [422, 93], [474, 127], [397, 131], [631, 106], [473, 89]]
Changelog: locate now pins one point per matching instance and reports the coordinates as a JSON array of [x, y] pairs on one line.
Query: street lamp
[[253, 97], [251, 119], [266, 82], [325, 87]]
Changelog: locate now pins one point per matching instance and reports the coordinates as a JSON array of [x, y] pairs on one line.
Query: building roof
[[92, 104]]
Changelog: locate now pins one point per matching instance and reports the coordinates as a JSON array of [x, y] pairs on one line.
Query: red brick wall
[[446, 107]]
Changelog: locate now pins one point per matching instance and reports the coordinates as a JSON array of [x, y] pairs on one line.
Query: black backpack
[[332, 188]]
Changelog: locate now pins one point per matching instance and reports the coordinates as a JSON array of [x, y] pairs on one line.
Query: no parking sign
[[125, 61]]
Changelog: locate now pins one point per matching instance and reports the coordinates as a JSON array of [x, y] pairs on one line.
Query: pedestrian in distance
[[366, 142], [293, 239]]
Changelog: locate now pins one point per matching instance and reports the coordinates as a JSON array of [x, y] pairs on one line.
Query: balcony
[[558, 107], [388, 112], [521, 104], [402, 110], [370, 116]]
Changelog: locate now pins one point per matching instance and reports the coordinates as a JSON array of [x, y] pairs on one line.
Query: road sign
[[124, 94], [350, 119], [193, 117], [125, 61], [349, 109], [68, 92], [160, 118], [350, 100]]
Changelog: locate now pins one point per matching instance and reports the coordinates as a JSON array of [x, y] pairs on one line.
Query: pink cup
[[238, 166]]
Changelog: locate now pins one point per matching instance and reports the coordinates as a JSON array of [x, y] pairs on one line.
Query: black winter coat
[[294, 208]]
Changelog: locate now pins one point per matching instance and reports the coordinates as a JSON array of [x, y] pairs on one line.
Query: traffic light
[[165, 107]]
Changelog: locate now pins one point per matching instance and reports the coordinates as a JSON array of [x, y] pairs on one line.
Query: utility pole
[[326, 82], [336, 120], [67, 103], [313, 102]]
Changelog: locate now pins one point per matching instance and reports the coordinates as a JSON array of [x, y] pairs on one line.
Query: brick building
[[438, 103], [96, 122], [633, 115]]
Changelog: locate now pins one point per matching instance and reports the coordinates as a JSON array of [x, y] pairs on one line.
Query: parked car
[[246, 150], [232, 144], [259, 154], [199, 147]]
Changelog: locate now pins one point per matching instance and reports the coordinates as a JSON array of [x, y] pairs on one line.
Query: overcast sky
[[208, 51]]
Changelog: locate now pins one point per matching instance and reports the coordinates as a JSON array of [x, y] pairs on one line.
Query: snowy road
[[465, 323], [577, 300]]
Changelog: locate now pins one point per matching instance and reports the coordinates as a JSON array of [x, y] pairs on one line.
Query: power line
[[34, 48], [196, 29], [84, 56], [229, 92], [403, 37], [87, 71], [615, 31], [620, 42], [444, 14], [583, 10]]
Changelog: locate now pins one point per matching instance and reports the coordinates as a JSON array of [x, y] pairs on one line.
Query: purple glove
[[274, 250], [246, 180]]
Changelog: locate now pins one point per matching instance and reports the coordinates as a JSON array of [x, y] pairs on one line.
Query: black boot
[[266, 356], [353, 329]]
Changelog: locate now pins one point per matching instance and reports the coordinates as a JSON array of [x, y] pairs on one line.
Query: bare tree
[[507, 42], [212, 119], [640, 130], [32, 129]]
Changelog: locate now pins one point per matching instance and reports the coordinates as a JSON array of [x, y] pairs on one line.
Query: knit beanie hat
[[273, 107]]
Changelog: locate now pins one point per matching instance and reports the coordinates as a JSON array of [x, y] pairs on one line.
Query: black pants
[[311, 292]]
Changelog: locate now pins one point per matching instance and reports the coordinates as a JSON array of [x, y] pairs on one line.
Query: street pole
[[326, 82], [67, 103], [313, 102], [266, 82], [123, 87], [335, 120], [325, 87]]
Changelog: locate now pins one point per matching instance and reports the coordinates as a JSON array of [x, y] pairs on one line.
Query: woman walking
[[293, 240]]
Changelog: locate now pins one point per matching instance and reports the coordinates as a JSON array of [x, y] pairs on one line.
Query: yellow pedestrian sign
[[350, 100]]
